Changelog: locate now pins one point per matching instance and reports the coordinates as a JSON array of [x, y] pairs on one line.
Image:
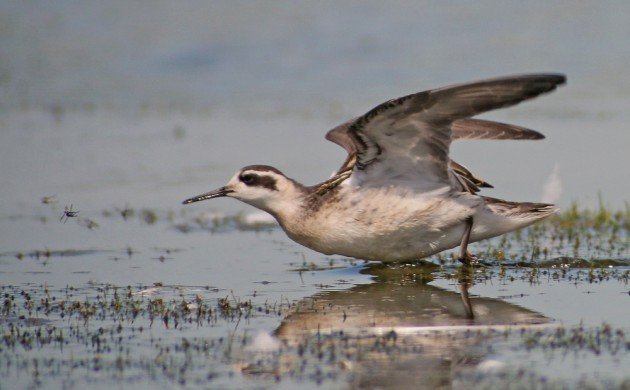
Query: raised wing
[[406, 141], [460, 129], [488, 130], [463, 180]]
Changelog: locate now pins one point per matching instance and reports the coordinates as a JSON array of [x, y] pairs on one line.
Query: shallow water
[[106, 110], [235, 304]]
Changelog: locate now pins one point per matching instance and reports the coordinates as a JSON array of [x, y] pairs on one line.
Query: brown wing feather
[[460, 129], [342, 137], [462, 171], [410, 136], [488, 130], [466, 100]]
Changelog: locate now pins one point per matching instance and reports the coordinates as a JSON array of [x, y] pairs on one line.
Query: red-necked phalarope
[[398, 196]]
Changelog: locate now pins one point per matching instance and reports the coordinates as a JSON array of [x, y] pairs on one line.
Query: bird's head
[[261, 186]]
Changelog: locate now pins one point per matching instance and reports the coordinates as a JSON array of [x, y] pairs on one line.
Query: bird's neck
[[289, 203]]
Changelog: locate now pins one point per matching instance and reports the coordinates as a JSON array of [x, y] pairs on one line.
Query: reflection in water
[[401, 298], [427, 329], [464, 285]]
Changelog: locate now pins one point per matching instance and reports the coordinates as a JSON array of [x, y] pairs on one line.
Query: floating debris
[[125, 212], [149, 216], [88, 223], [49, 199]]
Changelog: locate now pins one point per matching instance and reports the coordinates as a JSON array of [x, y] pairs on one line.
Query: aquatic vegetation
[[93, 332], [578, 338], [125, 333], [577, 235], [115, 330]]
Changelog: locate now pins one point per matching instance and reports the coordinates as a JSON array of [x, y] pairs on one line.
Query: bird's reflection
[[401, 297], [423, 317], [465, 281]]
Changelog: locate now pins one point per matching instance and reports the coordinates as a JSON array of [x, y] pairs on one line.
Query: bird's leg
[[465, 256], [465, 282]]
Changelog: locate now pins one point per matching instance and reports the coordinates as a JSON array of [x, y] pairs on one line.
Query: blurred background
[[122, 109], [150, 102]]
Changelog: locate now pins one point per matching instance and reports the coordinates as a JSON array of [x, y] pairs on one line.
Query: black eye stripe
[[248, 178], [251, 180]]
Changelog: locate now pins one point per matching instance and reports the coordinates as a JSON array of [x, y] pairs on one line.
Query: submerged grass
[[75, 336], [132, 335], [577, 235]]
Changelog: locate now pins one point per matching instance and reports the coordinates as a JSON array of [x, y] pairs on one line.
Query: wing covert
[[405, 141]]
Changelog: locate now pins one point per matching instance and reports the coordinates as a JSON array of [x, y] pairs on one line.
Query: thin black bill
[[223, 191]]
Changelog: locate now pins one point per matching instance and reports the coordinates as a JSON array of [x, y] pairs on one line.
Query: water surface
[[122, 111]]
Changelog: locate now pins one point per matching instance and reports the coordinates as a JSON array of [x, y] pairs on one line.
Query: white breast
[[387, 224]]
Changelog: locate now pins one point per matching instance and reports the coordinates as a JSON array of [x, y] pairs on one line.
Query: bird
[[398, 196]]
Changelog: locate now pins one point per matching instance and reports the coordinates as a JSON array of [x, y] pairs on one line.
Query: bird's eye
[[248, 179]]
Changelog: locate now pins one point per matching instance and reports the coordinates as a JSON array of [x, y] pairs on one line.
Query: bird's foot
[[468, 259]]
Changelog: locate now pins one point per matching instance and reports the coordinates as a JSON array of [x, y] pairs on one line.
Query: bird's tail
[[515, 215]]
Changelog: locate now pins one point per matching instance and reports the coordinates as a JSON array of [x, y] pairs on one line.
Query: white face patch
[[265, 188]]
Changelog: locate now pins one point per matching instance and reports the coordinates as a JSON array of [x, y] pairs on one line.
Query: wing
[[463, 180], [482, 129], [406, 141], [460, 129]]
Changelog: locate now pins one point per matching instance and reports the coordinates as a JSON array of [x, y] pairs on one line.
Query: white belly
[[385, 226]]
